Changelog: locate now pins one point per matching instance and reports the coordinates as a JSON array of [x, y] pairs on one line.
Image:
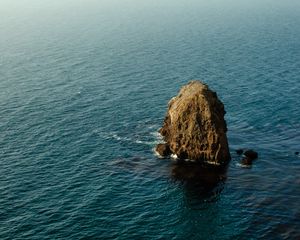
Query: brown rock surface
[[194, 127], [163, 149]]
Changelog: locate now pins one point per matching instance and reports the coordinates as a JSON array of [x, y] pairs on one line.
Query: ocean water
[[84, 87]]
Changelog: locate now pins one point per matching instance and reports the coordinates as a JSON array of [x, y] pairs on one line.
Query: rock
[[248, 157], [247, 161], [239, 151], [163, 149], [252, 155], [296, 153], [194, 126]]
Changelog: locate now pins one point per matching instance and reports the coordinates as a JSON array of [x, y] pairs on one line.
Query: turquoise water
[[84, 89]]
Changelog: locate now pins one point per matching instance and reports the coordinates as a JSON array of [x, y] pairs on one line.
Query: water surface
[[84, 89]]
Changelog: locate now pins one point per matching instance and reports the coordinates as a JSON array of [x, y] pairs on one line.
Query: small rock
[[239, 151], [251, 154], [296, 153], [246, 161], [163, 149]]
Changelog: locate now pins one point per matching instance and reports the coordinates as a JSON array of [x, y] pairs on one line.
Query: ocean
[[84, 89]]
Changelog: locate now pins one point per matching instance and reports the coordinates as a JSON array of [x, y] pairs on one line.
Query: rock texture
[[163, 149], [194, 127]]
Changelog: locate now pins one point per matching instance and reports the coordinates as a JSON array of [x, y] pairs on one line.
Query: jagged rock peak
[[194, 127]]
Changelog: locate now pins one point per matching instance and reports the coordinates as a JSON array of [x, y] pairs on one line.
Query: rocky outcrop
[[249, 153], [194, 127], [163, 149], [249, 156]]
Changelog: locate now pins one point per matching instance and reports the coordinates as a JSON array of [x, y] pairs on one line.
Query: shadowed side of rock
[[163, 149], [194, 127]]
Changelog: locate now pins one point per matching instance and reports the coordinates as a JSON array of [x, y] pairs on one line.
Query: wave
[[149, 139]]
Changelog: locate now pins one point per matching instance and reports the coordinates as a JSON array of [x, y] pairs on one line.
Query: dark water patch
[[200, 183]]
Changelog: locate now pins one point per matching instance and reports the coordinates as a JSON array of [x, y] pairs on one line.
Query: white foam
[[157, 154], [115, 136], [157, 135], [149, 143], [213, 163], [152, 126], [243, 165]]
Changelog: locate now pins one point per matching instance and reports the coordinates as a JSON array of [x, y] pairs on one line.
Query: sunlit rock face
[[194, 127]]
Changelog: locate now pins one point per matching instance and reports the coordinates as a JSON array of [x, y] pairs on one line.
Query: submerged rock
[[248, 157], [251, 154], [194, 127], [247, 161], [239, 151]]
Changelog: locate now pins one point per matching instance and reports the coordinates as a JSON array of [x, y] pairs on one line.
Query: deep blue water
[[84, 89]]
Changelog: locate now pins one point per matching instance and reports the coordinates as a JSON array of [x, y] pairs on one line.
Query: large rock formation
[[194, 127]]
